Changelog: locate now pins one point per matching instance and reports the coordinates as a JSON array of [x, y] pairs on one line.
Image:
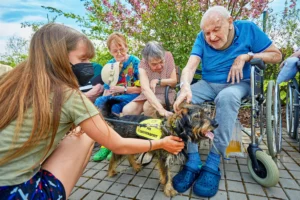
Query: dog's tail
[[107, 108]]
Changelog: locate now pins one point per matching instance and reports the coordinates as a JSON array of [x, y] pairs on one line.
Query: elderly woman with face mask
[[157, 70]]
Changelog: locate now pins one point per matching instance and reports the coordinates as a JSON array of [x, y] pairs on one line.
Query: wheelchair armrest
[[258, 62]]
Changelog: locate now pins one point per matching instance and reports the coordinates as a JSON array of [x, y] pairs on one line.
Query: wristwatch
[[125, 89], [250, 54], [159, 81]]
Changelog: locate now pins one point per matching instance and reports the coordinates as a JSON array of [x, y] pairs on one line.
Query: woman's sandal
[[185, 179], [207, 184]]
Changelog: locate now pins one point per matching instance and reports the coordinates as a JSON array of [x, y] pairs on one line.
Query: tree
[[16, 51], [174, 23], [17, 47]]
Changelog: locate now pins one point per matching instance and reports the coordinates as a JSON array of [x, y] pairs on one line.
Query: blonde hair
[[116, 38], [46, 73]]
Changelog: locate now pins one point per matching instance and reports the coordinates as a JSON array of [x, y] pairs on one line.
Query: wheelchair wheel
[[295, 109], [273, 119], [289, 111], [270, 174]]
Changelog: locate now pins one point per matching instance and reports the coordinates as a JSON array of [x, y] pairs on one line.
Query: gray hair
[[222, 11], [153, 50]]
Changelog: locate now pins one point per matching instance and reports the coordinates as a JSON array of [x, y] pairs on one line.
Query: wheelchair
[[265, 120], [292, 108]]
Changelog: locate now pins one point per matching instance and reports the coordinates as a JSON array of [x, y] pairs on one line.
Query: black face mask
[[83, 72]]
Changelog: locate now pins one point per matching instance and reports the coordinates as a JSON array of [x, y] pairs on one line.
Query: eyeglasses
[[121, 51]]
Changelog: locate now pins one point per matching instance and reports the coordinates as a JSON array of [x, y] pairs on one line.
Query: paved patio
[[236, 182]]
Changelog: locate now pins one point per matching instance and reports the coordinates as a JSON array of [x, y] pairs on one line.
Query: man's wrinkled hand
[[185, 95], [236, 72]]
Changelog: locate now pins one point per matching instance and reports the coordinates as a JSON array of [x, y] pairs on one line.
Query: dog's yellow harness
[[150, 129]]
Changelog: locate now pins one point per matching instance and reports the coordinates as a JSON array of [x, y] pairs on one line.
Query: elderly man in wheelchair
[[225, 49]]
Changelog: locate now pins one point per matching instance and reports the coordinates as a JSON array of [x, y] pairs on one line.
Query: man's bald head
[[215, 12]]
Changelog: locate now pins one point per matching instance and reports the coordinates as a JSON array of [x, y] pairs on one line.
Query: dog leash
[[132, 123]]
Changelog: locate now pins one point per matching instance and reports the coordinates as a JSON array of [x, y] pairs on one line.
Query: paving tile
[[295, 174], [144, 172], [74, 189], [292, 166], [242, 161], [289, 183], [255, 189], [114, 178], [247, 178], [125, 162], [179, 197], [109, 197], [276, 193], [90, 173], [100, 175], [231, 167], [81, 181], [151, 165], [138, 181], [125, 178], [90, 165], [130, 191], [221, 195], [151, 184], [103, 186], [90, 184], [145, 194], [293, 194], [252, 197], [99, 166], [237, 196], [154, 174], [175, 168], [284, 174], [222, 185], [235, 186], [79, 194], [243, 168], [159, 195], [116, 188], [130, 170], [92, 195], [236, 176]]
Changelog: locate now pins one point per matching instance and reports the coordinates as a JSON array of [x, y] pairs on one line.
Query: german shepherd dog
[[190, 124]]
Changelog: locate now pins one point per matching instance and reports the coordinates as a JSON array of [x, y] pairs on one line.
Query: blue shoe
[[207, 184], [185, 179]]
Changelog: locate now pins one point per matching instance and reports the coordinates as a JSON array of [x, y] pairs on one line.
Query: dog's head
[[193, 122]]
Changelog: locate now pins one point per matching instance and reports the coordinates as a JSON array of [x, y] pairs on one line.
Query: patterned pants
[[42, 186]]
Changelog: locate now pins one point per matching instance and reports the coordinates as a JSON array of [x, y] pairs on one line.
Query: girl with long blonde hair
[[40, 102]]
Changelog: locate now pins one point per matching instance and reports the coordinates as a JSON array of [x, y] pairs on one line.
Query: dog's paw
[[112, 173], [137, 167], [169, 190]]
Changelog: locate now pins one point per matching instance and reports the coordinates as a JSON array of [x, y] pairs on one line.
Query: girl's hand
[[172, 144]]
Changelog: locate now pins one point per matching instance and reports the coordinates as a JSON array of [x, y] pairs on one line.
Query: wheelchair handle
[[258, 62]]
